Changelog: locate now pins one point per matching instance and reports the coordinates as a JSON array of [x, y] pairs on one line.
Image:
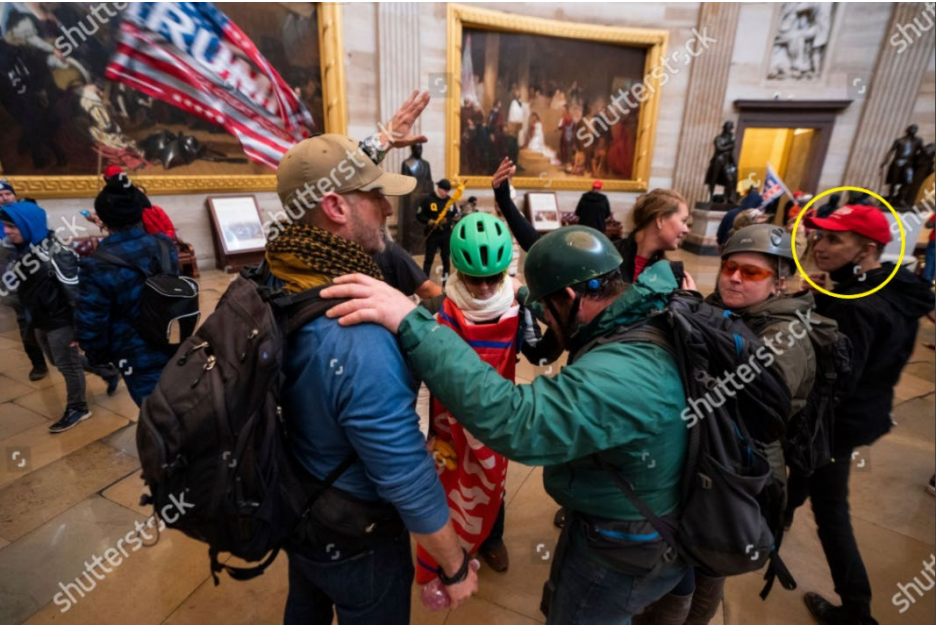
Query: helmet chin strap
[[568, 328]]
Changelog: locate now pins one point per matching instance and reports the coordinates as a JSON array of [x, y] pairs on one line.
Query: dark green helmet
[[566, 257], [762, 238]]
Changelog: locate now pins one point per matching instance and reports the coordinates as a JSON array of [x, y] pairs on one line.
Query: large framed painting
[[66, 114], [569, 103]]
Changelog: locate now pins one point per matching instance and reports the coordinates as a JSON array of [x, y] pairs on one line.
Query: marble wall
[[859, 35]]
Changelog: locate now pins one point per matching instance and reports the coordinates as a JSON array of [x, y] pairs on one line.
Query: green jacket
[[624, 398]]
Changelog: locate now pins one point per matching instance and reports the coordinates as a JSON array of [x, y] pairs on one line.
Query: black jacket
[[593, 210], [49, 286], [882, 328], [628, 248]]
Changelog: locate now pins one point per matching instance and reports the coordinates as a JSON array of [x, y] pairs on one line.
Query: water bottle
[[434, 595]]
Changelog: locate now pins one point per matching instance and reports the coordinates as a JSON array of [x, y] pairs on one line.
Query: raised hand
[[396, 132], [505, 170]]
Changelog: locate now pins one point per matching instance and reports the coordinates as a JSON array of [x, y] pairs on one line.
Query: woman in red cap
[[882, 327]]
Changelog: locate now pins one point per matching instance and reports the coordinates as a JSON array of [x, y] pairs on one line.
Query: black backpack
[[730, 503], [169, 309], [213, 431], [808, 442]]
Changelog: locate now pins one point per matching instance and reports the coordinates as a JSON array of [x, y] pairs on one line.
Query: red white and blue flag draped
[[773, 189], [193, 57], [475, 487]]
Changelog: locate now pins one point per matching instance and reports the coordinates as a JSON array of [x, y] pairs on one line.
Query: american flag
[[773, 189], [193, 57]]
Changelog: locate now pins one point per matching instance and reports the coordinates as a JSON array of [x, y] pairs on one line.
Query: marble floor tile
[[50, 402], [120, 403], [144, 589], [127, 493], [477, 610], [44, 493], [260, 600], [21, 375], [14, 359], [923, 370], [531, 539], [16, 419], [11, 389], [910, 386], [3, 543], [42, 448], [8, 342], [915, 419], [125, 439], [518, 474]]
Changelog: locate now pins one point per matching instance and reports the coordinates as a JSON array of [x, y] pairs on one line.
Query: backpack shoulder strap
[[625, 486], [293, 311], [165, 256]]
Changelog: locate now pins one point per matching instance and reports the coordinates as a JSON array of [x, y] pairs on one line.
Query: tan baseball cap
[[316, 166]]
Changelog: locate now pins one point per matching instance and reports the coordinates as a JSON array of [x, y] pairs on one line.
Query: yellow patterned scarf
[[305, 257]]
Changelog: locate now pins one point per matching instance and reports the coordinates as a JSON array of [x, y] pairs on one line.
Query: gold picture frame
[[653, 41], [331, 46]]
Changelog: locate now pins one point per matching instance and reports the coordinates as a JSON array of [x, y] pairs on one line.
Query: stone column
[[398, 34], [702, 115], [902, 63]]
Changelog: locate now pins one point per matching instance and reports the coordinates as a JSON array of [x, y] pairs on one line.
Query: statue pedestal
[[702, 236]]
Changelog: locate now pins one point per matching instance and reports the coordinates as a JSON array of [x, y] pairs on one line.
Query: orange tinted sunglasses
[[749, 273]]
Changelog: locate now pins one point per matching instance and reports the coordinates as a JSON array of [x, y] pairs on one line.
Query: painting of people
[[527, 97]]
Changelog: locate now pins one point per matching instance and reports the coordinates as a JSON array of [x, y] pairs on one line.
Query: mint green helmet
[[480, 245]]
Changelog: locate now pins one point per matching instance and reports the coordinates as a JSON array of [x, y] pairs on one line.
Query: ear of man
[[334, 208]]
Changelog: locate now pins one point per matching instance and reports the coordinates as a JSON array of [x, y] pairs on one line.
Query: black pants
[[496, 536], [829, 495], [28, 334], [437, 241]]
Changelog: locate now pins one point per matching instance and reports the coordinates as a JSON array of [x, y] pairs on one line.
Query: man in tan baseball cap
[[347, 393]]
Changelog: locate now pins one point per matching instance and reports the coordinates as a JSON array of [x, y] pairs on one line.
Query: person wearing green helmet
[[480, 306], [622, 400], [757, 264]]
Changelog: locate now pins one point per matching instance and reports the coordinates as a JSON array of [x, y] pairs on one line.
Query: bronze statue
[[723, 169], [923, 168], [901, 171], [410, 231]]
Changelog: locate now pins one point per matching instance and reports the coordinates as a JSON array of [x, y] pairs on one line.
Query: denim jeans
[[370, 587], [829, 496], [71, 364], [591, 593]]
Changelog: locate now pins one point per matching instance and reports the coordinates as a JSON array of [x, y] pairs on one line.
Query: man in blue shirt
[[350, 394]]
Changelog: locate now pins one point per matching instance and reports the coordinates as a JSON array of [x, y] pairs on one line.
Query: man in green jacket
[[620, 400]]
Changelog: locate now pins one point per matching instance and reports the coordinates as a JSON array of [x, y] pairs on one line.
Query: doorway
[[792, 135], [788, 150]]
